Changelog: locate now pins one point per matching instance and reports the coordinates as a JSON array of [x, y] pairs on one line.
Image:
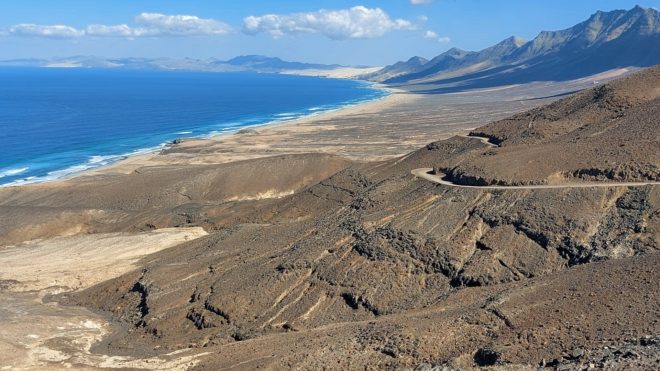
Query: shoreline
[[380, 128], [152, 158], [142, 154], [321, 114], [329, 114]]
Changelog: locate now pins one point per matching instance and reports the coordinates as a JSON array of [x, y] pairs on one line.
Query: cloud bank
[[58, 31], [146, 25], [358, 22], [180, 25]]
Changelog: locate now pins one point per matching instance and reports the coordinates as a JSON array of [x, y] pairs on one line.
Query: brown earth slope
[[371, 267], [155, 197], [610, 132]]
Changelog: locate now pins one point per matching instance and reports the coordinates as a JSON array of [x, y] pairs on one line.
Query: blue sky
[[325, 31]]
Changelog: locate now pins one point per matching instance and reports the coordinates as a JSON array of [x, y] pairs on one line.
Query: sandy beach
[[377, 130]]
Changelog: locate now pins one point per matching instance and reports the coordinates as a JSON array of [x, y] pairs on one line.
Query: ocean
[[57, 122]]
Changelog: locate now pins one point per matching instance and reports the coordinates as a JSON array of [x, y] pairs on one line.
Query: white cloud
[[358, 22], [147, 24], [109, 31], [55, 31], [430, 35], [423, 18], [420, 2], [178, 25], [433, 35]]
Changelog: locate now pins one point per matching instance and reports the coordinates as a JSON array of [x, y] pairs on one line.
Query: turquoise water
[[56, 122]]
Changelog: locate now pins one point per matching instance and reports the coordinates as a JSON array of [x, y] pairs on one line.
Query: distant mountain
[[252, 63], [400, 68], [454, 59], [263, 63], [607, 40]]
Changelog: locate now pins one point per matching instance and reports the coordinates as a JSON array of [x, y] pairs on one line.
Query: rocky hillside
[[365, 265], [456, 61], [608, 133], [607, 40]]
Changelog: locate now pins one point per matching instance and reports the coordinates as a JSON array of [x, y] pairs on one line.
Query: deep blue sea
[[56, 122]]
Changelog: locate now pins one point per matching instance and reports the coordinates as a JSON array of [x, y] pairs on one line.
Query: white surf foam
[[92, 162], [12, 172]]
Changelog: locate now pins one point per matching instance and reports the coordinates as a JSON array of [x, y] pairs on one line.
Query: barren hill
[[610, 132], [366, 266]]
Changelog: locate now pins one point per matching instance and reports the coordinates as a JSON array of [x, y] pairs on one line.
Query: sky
[[368, 32]]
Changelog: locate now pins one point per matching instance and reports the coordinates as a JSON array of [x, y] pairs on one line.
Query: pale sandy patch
[[47, 336], [81, 261], [336, 73]]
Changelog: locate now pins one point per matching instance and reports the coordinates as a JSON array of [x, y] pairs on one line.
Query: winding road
[[425, 173], [484, 140]]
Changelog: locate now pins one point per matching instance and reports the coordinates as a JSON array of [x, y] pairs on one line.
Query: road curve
[[484, 140], [425, 173]]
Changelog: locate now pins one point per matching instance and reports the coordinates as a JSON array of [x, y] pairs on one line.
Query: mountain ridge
[[606, 40], [262, 62]]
